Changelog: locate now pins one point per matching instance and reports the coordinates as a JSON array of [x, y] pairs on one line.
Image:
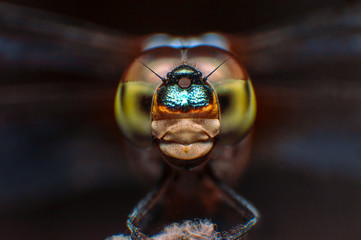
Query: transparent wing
[[42, 54], [307, 77], [37, 40], [329, 37], [58, 79]]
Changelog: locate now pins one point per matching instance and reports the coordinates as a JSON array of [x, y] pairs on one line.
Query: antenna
[[163, 79], [205, 78]]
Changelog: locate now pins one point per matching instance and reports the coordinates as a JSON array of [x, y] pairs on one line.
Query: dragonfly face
[[185, 115], [185, 99]]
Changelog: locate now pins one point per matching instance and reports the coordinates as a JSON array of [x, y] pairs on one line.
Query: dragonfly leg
[[143, 207], [241, 205]]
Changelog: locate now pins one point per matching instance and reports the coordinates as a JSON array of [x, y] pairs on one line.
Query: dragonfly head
[[185, 115], [185, 100]]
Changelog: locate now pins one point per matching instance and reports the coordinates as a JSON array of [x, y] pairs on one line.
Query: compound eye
[[238, 108], [233, 88], [136, 90], [133, 110]]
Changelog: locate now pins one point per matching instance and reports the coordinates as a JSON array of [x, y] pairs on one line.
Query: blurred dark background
[[63, 173], [183, 17]]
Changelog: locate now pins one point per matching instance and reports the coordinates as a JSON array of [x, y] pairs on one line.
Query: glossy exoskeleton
[[180, 101]]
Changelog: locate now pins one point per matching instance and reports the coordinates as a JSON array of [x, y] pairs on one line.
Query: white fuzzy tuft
[[119, 237], [190, 230]]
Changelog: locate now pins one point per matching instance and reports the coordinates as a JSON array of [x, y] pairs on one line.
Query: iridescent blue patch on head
[[179, 98]]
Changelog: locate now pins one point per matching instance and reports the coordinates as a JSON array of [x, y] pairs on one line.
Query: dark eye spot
[[146, 104], [224, 102]]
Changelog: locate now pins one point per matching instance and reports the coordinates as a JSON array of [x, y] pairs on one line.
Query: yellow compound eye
[[135, 93], [234, 91], [132, 110], [238, 108]]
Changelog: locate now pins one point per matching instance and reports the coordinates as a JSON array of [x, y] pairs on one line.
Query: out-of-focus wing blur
[[59, 139], [58, 81], [307, 78], [308, 82], [36, 40]]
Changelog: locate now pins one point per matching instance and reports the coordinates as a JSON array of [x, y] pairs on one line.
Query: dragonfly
[[300, 58], [196, 92]]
